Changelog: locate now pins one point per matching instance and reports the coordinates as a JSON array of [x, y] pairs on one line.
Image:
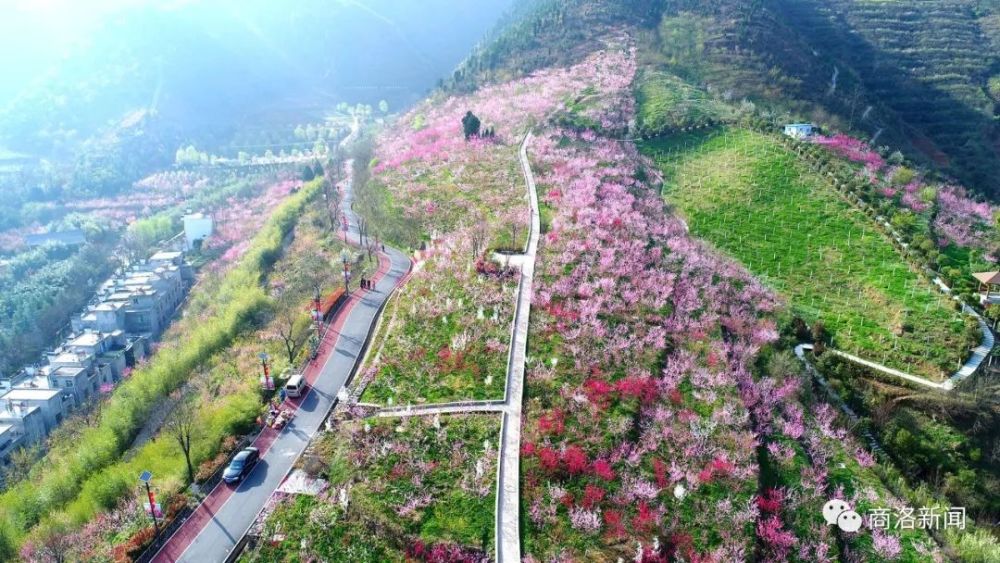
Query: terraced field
[[925, 61]]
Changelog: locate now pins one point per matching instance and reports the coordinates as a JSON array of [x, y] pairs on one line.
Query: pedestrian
[[383, 247]]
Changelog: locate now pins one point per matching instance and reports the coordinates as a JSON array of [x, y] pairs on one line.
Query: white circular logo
[[849, 521], [832, 509]]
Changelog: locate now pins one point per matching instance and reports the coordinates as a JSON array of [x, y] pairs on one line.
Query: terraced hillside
[[926, 62], [543, 33], [911, 75]]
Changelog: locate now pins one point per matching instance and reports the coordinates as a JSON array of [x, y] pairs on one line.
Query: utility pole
[[345, 256], [266, 368], [145, 476]]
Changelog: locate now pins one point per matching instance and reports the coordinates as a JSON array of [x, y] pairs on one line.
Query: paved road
[[218, 524]]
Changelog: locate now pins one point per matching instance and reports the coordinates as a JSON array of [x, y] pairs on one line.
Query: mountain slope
[[911, 75]]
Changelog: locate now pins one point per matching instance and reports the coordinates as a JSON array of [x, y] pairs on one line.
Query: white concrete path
[[508, 497], [443, 408], [508, 507]]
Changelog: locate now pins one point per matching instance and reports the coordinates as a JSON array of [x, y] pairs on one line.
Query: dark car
[[241, 465]]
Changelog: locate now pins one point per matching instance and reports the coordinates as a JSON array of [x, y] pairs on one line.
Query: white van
[[296, 384]]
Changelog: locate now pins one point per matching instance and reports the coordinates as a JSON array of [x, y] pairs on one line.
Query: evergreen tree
[[470, 125], [307, 173]]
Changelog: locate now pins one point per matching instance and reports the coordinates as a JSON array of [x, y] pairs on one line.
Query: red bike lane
[[213, 502]]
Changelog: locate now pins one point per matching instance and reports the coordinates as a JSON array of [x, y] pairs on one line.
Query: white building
[[800, 130], [197, 227], [53, 404], [20, 426]]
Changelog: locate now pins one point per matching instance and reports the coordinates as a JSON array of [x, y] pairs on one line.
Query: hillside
[[750, 196], [910, 75], [618, 315], [662, 396]]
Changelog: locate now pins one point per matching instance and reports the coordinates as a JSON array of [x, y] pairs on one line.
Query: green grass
[[666, 102], [753, 199]]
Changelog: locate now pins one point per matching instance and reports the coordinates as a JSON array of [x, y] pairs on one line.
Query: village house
[[800, 130], [197, 227], [141, 301], [53, 403], [20, 426]]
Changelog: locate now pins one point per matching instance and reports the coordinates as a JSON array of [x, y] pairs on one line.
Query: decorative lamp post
[[264, 357], [145, 476], [345, 257]]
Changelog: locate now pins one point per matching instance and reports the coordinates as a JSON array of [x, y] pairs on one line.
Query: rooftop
[[165, 255], [36, 382], [988, 277], [66, 371], [16, 410], [87, 339], [30, 394], [68, 358]]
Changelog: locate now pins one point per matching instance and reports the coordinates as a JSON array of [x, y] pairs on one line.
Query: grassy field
[[666, 102], [753, 199]]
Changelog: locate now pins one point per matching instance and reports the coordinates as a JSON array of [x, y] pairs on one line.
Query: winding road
[[217, 525]]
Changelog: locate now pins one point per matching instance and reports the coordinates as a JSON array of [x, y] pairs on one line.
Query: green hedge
[[87, 472]]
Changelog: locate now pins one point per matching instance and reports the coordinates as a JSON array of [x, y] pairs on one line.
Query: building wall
[[196, 228]]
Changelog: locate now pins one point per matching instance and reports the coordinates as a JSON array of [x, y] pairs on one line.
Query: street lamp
[[317, 313], [145, 476], [345, 257], [267, 369]]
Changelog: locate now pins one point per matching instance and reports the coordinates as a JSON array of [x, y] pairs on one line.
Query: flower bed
[[450, 333], [450, 336], [398, 487], [635, 427]]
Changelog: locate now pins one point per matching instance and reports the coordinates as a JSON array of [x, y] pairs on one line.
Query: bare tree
[[478, 237], [362, 229], [56, 542], [182, 428], [307, 273], [20, 463]]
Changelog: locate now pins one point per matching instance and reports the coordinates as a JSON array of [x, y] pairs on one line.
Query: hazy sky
[[36, 35]]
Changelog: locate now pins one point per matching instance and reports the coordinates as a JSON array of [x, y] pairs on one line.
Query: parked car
[[296, 384], [241, 465]]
